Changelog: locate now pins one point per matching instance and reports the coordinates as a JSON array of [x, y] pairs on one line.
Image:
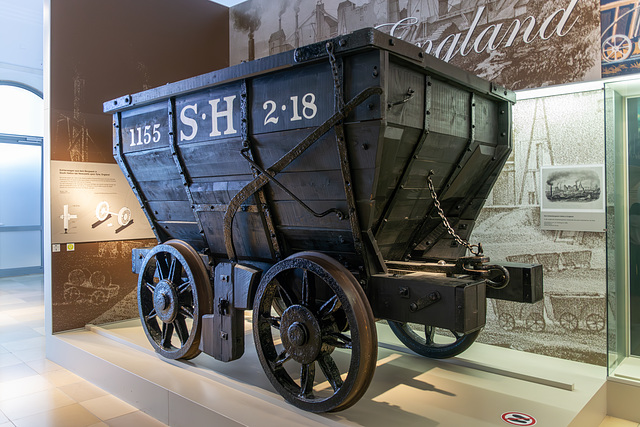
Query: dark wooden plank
[[271, 147], [214, 158], [184, 230], [486, 120], [450, 110], [169, 189], [310, 239], [361, 71], [248, 234], [152, 165], [172, 211], [220, 190], [291, 214], [401, 80]]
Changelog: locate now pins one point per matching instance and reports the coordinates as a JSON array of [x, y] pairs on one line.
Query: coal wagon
[[323, 189]]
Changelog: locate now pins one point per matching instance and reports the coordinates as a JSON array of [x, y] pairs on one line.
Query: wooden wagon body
[[337, 181]]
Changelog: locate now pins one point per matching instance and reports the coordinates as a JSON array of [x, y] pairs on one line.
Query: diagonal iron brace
[[262, 179]]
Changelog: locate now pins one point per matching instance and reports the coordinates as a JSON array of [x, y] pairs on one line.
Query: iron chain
[[336, 77], [474, 249]]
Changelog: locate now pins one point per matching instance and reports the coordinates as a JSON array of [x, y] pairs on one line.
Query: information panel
[[92, 202]]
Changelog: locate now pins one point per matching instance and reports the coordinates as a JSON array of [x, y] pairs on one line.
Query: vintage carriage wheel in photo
[[594, 322], [507, 321], [617, 47], [428, 343], [173, 294], [535, 322], [319, 347], [569, 321]]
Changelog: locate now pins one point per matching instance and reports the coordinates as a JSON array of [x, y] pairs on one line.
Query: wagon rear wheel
[[427, 343], [325, 322], [173, 294]]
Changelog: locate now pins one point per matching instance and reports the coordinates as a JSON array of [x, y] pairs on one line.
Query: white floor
[[407, 389], [35, 392]]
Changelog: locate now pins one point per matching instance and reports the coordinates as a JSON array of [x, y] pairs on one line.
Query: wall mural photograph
[[519, 44], [570, 321]]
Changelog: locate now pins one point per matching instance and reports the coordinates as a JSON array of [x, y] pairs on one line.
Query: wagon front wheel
[[427, 343], [315, 333], [173, 294]]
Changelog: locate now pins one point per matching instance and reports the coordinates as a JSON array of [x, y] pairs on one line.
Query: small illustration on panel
[[573, 186], [103, 214]]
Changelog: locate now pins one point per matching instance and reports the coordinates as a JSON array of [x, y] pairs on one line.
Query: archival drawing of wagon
[[573, 310], [620, 29], [83, 286], [513, 314], [321, 189]]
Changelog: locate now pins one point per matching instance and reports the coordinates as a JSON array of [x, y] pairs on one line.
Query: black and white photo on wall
[[572, 198], [519, 44]]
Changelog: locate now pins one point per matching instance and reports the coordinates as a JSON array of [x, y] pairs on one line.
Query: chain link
[[336, 77], [478, 248]]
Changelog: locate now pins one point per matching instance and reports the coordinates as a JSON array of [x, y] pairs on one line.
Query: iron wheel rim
[[294, 375], [172, 298], [424, 343]]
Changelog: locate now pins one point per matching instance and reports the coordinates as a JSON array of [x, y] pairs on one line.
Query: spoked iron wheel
[[309, 313], [173, 294], [428, 343]]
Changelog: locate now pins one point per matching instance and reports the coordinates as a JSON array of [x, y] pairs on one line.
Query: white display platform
[[473, 389]]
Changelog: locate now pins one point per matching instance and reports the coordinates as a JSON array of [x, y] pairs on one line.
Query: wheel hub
[[297, 334], [165, 301], [301, 334]]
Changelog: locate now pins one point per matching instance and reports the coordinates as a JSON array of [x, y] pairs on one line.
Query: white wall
[[21, 43]]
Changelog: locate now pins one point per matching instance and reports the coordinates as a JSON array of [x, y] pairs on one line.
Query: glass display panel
[[617, 232], [622, 147], [633, 138], [20, 249], [20, 184]]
